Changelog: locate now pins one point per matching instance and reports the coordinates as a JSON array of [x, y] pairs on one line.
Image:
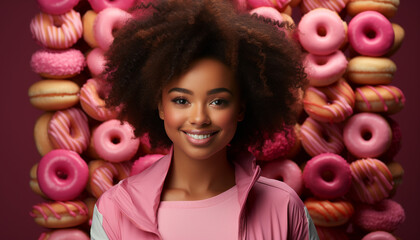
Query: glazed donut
[[371, 70], [385, 215], [115, 141], [323, 70], [367, 135], [321, 31], [100, 5], [106, 22], [331, 233], [399, 35], [379, 235], [144, 162], [397, 173], [103, 175], [88, 20], [62, 175], [57, 31], [372, 181], [268, 3], [33, 182], [146, 147], [327, 176], [64, 234], [319, 137], [387, 7], [49, 95], [379, 99], [326, 213], [96, 61], [334, 5], [333, 103], [58, 64], [42, 142], [277, 147], [69, 129], [60, 214], [371, 34], [286, 171], [92, 100], [56, 7]]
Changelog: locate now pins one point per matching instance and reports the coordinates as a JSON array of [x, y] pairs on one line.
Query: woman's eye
[[219, 102], [180, 101]]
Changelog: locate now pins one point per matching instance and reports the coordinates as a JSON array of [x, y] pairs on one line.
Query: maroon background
[[18, 152]]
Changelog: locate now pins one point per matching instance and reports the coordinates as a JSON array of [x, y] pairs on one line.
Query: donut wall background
[[18, 116]]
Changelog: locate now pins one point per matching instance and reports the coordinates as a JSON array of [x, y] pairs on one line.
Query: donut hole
[[57, 22], [280, 178], [367, 181], [321, 31], [366, 135], [61, 174], [115, 140], [327, 176], [321, 61], [369, 33]]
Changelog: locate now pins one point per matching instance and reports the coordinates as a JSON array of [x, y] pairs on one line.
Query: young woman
[[208, 82]]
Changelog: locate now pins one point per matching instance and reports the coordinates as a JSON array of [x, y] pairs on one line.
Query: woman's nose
[[199, 115]]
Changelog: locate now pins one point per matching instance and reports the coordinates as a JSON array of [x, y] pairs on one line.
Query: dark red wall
[[17, 119]]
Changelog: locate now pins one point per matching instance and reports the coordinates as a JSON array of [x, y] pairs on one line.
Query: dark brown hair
[[151, 50]]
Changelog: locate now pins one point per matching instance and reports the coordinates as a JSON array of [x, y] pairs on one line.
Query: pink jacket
[[269, 208]]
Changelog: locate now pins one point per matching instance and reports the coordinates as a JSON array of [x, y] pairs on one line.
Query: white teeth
[[196, 136]]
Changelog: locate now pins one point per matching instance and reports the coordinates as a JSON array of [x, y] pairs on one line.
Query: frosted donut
[[268, 12], [327, 176], [57, 31], [371, 70], [68, 129], [106, 22], [379, 99], [323, 70], [333, 103], [92, 100], [62, 175], [58, 64], [64, 234], [88, 20], [318, 137], [367, 135], [321, 31], [371, 34], [49, 95], [42, 142], [326, 213], [56, 7], [397, 173], [100, 5], [60, 214], [334, 5], [115, 142], [385, 215], [96, 61], [387, 7], [372, 181], [268, 3], [284, 170], [379, 235], [144, 162], [103, 175]]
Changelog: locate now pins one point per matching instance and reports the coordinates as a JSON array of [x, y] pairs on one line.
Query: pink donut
[[57, 7], [385, 215], [96, 61], [62, 175], [321, 31], [144, 162], [327, 176], [323, 70], [268, 3], [371, 34], [58, 63], [379, 235], [69, 129], [106, 22], [64, 234], [284, 170], [367, 135], [268, 12], [115, 142], [100, 5]]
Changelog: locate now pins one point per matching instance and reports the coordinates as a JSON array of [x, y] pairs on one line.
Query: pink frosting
[[144, 162], [268, 12], [268, 3], [64, 234], [379, 235], [335, 5], [99, 5], [62, 174], [367, 135], [371, 34], [96, 61], [331, 186], [383, 101], [57, 7], [81, 210], [58, 62], [286, 171], [115, 142]]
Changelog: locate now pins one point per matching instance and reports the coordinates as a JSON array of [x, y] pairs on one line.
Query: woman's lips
[[199, 137]]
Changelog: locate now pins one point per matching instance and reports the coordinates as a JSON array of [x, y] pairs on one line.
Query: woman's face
[[201, 109]]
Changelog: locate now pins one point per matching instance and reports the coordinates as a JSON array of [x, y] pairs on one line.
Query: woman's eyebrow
[[219, 90], [182, 90], [210, 92]]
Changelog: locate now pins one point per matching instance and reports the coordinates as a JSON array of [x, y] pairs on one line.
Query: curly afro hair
[[152, 49]]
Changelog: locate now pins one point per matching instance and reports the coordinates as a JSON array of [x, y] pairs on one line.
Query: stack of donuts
[[338, 158]]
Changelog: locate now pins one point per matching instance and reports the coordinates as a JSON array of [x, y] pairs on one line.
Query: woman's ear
[[160, 109]]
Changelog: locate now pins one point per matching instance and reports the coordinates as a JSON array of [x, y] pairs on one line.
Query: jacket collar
[[138, 197]]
